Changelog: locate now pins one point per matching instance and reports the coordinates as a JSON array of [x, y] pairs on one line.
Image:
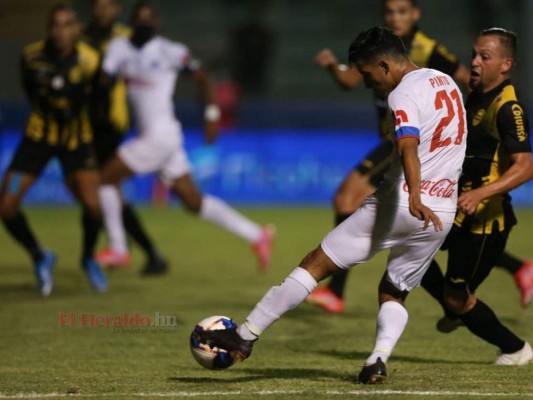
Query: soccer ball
[[211, 358]]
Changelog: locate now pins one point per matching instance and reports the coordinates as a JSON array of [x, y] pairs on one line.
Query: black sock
[[134, 227], [338, 281], [433, 282], [509, 263], [20, 230], [482, 322], [91, 227]]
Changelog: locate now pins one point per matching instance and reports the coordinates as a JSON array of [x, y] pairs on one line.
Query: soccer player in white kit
[[150, 65], [411, 212]]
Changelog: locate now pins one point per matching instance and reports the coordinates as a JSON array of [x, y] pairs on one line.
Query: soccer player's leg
[[175, 174], [28, 162], [522, 271], [106, 143], [471, 258], [112, 174], [356, 187], [276, 302], [82, 178], [406, 265], [434, 282], [320, 263]]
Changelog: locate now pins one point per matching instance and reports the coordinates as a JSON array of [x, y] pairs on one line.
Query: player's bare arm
[[347, 77], [212, 111], [408, 150], [521, 171]]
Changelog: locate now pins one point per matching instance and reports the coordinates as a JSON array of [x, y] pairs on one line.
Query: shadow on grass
[[267, 373], [362, 356]]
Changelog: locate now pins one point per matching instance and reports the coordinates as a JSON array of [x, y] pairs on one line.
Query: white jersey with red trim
[[428, 105], [150, 72]]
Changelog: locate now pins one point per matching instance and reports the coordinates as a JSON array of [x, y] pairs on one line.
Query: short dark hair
[[56, 8], [373, 42], [507, 38]]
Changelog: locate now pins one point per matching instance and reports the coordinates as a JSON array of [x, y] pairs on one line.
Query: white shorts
[[377, 226], [144, 155]]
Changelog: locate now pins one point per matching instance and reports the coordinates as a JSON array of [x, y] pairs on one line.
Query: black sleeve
[[513, 127], [27, 80], [443, 61]]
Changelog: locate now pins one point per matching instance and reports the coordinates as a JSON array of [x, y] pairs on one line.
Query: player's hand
[[325, 59], [423, 213], [211, 129], [469, 201]]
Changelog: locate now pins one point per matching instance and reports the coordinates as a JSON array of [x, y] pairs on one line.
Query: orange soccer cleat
[[524, 280], [262, 247], [324, 297], [113, 259]]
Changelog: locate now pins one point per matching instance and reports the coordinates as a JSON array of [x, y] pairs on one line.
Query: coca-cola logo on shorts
[[444, 188]]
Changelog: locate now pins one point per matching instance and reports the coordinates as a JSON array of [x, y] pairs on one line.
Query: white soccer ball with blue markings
[[207, 357]]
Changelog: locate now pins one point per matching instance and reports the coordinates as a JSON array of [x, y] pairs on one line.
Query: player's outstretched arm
[[521, 171], [345, 76], [212, 111], [408, 149]]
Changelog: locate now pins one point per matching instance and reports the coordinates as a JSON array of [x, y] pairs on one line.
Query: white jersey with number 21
[[428, 105]]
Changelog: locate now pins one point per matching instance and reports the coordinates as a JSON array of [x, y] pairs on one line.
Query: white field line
[[237, 393]]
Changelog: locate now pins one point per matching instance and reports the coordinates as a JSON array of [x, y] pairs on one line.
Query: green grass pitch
[[307, 354]]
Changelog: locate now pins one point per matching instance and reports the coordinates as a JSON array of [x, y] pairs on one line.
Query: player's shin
[[392, 319], [482, 322], [112, 210], [278, 300], [90, 226], [218, 212]]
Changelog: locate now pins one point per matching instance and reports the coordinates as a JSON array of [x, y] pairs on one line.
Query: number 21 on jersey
[[451, 103]]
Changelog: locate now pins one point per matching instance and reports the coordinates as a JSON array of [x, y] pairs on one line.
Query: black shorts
[[31, 157], [376, 162], [106, 141], [471, 256]]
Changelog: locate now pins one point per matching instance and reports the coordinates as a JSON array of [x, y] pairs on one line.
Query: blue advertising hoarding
[[259, 167]]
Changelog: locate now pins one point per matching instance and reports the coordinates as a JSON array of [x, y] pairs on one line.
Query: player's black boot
[[156, 265], [373, 373], [227, 339]]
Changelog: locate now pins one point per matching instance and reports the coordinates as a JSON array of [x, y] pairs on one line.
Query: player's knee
[[456, 301], [346, 202], [193, 206]]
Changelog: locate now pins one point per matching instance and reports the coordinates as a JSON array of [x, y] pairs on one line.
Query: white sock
[[218, 212], [112, 210], [278, 300], [392, 319]]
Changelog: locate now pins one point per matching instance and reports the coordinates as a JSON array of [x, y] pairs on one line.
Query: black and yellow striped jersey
[[59, 90], [109, 107], [497, 128], [426, 53]]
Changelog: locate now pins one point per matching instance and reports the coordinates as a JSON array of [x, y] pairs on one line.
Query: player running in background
[[57, 75], [498, 159], [109, 118], [402, 17], [150, 64], [400, 216]]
